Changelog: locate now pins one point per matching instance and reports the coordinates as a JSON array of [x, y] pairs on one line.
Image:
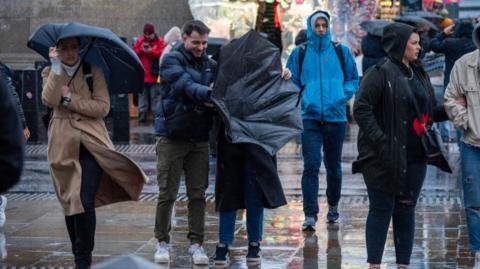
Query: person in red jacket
[[148, 47]]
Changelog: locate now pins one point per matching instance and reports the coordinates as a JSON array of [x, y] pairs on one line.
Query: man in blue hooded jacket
[[328, 82]]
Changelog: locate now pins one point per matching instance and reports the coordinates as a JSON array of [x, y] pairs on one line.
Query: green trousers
[[173, 158]]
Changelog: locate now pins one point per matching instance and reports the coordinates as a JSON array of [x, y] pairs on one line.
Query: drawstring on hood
[[314, 40], [476, 35]]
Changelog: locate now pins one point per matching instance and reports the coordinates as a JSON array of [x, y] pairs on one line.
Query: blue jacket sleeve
[[439, 44], [292, 64], [350, 84], [175, 73]]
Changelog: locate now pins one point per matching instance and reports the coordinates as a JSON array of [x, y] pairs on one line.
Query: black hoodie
[[383, 111], [453, 47], [395, 38]]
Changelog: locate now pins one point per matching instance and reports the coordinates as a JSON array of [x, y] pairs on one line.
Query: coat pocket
[[473, 95]]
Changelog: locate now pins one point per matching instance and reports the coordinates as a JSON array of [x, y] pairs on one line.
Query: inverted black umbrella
[[418, 22], [256, 104], [423, 14], [99, 46], [374, 27], [127, 262]]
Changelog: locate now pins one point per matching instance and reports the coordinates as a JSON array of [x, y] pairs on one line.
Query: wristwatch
[[66, 100]]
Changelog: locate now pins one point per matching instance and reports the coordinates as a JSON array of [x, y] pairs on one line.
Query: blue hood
[[316, 41]]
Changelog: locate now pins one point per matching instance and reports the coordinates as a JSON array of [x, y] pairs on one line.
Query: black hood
[[476, 35], [463, 29], [395, 38]]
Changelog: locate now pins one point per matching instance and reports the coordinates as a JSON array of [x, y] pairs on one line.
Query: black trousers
[[81, 227]]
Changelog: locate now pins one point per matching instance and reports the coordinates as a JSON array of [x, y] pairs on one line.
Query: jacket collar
[[188, 55], [474, 61]]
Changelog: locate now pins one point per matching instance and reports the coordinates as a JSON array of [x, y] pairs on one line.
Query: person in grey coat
[[7, 72], [8, 77]]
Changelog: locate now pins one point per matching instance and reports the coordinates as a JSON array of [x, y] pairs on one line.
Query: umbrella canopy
[[418, 22], [127, 262], [423, 14], [256, 104], [99, 46], [374, 27]]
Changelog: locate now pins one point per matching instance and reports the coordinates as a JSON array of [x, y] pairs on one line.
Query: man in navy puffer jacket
[[183, 119]]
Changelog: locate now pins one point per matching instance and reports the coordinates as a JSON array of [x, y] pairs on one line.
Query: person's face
[[148, 36], [321, 27], [69, 51], [195, 43], [412, 50]]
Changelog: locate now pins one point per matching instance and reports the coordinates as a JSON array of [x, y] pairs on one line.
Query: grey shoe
[[162, 254], [198, 254], [309, 224], [332, 215]]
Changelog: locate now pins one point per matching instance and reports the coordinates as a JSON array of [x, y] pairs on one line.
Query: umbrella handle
[[90, 45]]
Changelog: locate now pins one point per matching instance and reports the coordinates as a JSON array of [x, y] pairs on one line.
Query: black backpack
[[87, 73], [301, 57]]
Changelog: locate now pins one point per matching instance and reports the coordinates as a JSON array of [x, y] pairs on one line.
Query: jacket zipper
[[321, 80]]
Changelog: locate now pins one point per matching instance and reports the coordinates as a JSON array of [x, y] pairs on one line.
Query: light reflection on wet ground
[[36, 236]]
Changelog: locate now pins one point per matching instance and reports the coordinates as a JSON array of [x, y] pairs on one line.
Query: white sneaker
[[198, 254], [162, 255], [477, 260], [2, 210]]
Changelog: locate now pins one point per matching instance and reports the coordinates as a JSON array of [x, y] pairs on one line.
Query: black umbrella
[[256, 104], [99, 46], [127, 262], [374, 27], [423, 14], [417, 22]]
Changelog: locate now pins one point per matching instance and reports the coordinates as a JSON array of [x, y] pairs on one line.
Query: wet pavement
[[36, 237]]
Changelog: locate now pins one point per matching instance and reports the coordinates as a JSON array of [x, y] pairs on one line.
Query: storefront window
[[231, 19], [227, 19]]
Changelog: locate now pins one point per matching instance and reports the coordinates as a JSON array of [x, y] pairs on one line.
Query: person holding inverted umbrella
[[86, 170]]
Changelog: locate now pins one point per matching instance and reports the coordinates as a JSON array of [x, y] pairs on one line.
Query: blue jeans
[[254, 207], [443, 127], [330, 135], [471, 192], [401, 209]]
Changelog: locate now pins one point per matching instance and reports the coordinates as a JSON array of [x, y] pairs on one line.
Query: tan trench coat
[[465, 81], [82, 122]]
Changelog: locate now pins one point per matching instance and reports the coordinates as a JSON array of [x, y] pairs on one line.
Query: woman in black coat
[[246, 178], [391, 157]]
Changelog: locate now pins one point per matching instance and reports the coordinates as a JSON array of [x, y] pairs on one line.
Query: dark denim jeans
[[471, 192], [330, 136], [254, 207], [401, 209], [81, 227], [147, 100]]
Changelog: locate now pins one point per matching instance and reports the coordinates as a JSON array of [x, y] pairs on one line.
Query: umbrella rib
[[101, 52]]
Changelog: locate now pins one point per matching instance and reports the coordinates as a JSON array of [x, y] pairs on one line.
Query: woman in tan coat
[[86, 170]]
